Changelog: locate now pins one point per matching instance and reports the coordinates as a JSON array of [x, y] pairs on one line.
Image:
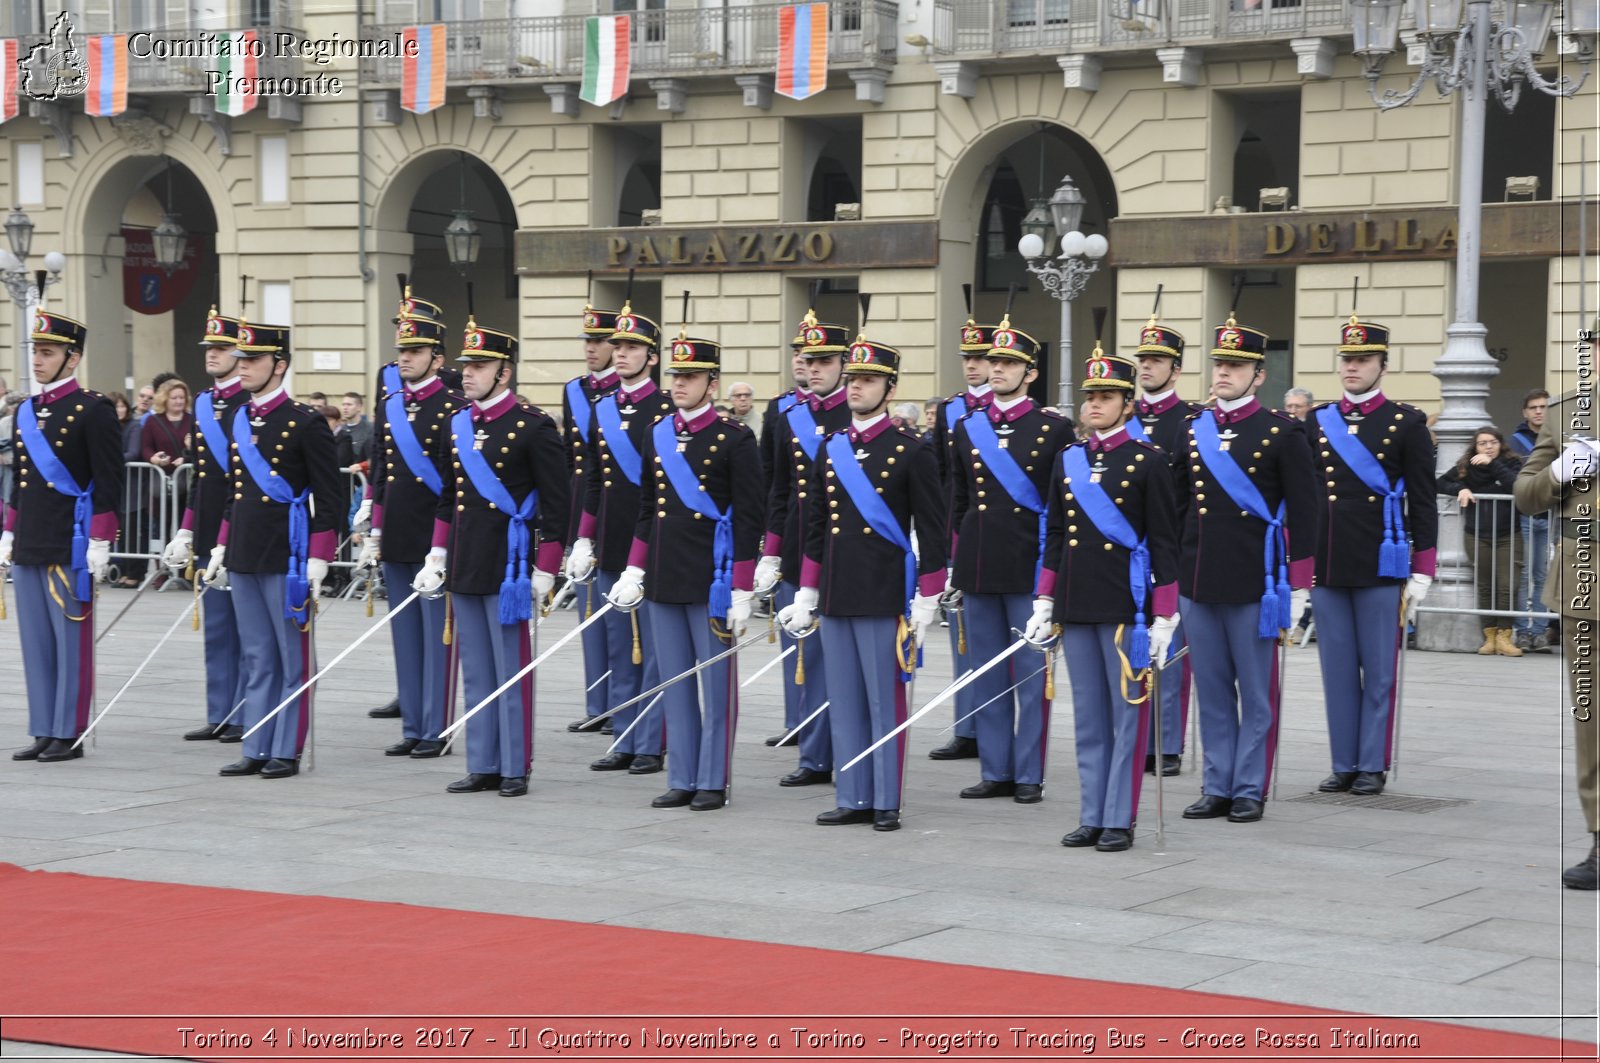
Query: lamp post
[[25, 287], [1066, 276], [1475, 56], [462, 238]]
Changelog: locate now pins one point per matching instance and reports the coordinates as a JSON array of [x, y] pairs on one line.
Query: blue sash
[[1245, 495], [804, 427], [1394, 553], [954, 409], [55, 473], [617, 438], [787, 401], [1135, 428], [872, 508], [580, 408], [407, 443], [687, 485], [1110, 521], [999, 461], [211, 430], [389, 375], [296, 586], [516, 589]]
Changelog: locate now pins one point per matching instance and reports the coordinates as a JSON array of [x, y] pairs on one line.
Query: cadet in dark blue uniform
[[777, 408], [278, 535], [1249, 533], [202, 521], [1002, 462], [411, 423], [57, 534], [1110, 584], [1379, 534], [497, 545], [790, 498], [612, 495], [577, 419], [879, 481], [1160, 417], [693, 559]]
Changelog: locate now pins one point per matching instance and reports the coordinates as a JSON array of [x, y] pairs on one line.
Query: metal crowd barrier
[[1517, 579]]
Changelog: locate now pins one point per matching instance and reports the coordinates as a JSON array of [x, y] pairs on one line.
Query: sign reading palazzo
[[736, 249]]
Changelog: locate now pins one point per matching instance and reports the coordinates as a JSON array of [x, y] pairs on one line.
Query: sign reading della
[[817, 245]]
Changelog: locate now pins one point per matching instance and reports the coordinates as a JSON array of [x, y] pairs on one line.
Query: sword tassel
[[638, 651], [369, 594], [1050, 668], [188, 574], [449, 620], [961, 631], [799, 664]]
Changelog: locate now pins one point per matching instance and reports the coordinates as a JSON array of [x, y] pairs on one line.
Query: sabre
[[613, 747], [124, 612], [1399, 690], [136, 673], [231, 714], [992, 700], [801, 726], [325, 669], [597, 682], [764, 669], [1283, 664], [594, 721], [536, 662], [938, 699]]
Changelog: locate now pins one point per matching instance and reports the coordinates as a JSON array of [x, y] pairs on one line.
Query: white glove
[[430, 581], [744, 603], [1576, 462], [1299, 601], [1161, 633], [798, 617], [1416, 590], [580, 563], [1041, 627], [370, 551], [5, 549], [769, 570], [316, 572], [543, 584], [99, 558], [214, 572], [924, 614], [363, 513], [628, 591], [179, 552]]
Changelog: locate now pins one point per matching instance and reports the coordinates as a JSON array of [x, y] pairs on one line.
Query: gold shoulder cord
[[55, 573], [1128, 674]]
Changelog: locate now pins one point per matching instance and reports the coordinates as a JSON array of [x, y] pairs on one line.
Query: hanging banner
[[607, 59], [802, 50], [8, 80], [149, 289], [422, 68], [238, 66], [108, 76]]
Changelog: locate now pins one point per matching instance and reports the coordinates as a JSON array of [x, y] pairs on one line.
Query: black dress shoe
[[708, 800], [886, 819], [246, 766], [673, 799], [33, 751], [1082, 838], [1149, 763], [806, 777], [1367, 784], [1208, 807], [516, 786], [208, 733], [991, 788], [390, 711], [473, 784], [1337, 783], [1114, 840], [402, 748], [427, 749], [958, 748], [280, 768], [608, 728], [836, 816], [231, 735], [58, 750], [579, 726], [1586, 875], [612, 762], [778, 740], [1245, 810], [1028, 793], [1171, 764], [644, 764]]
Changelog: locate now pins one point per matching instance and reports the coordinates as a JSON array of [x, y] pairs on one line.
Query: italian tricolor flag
[[606, 59], [8, 80], [238, 62]]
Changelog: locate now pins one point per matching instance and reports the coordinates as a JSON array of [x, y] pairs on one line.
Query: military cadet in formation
[[1249, 535], [1163, 419], [411, 422], [1109, 586], [278, 534], [1377, 541], [791, 498], [974, 350], [779, 406], [497, 545], [693, 560], [202, 522], [57, 534], [578, 397], [612, 495], [880, 483], [1002, 461]]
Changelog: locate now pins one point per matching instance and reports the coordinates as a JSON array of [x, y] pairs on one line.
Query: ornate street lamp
[[25, 286], [1064, 277]]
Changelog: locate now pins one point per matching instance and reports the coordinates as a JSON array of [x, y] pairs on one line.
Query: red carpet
[[131, 966]]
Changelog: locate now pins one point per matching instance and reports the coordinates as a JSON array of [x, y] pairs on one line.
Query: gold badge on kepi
[[1230, 339]]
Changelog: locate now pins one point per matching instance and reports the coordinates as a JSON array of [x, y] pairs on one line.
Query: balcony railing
[[151, 75], [995, 27], [670, 43]]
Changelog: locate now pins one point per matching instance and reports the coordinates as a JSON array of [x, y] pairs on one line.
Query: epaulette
[[1145, 443], [1052, 413], [909, 433], [1280, 415], [731, 423], [1192, 414]]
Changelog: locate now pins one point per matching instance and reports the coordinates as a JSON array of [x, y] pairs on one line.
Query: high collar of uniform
[[1009, 411], [226, 389], [981, 395], [484, 411], [638, 393], [60, 389], [870, 429], [1101, 442], [420, 391], [694, 420], [1157, 404], [1230, 410], [1366, 402], [606, 378], [261, 405], [828, 402]]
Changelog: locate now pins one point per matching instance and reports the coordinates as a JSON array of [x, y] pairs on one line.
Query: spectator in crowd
[[135, 525], [742, 406], [352, 413], [164, 438], [930, 416], [142, 402], [1534, 541], [906, 415], [123, 407], [8, 411], [4, 391], [317, 400], [1297, 403], [1489, 468]]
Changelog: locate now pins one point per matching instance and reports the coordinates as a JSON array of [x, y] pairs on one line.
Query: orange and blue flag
[[422, 68], [108, 75], [802, 50]]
